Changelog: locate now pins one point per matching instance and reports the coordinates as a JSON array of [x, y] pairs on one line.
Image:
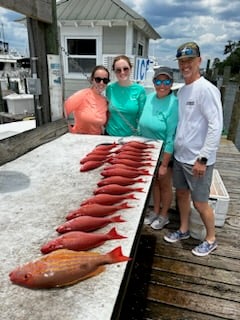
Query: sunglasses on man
[[185, 52]]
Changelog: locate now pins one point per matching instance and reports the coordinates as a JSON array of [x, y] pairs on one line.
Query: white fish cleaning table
[[37, 190]]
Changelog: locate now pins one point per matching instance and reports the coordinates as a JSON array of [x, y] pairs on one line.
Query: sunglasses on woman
[[104, 80], [166, 82], [119, 70]]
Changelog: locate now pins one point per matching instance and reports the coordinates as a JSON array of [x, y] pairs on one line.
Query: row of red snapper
[[66, 259]]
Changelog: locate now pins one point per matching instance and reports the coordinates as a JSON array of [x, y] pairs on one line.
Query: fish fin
[[117, 256], [114, 235], [125, 205], [117, 219], [132, 196]]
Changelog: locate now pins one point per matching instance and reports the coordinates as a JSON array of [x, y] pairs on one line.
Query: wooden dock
[[170, 283]]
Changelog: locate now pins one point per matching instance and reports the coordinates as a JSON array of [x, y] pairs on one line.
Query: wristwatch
[[202, 160]]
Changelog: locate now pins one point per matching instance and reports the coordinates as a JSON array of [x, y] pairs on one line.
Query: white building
[[94, 32]]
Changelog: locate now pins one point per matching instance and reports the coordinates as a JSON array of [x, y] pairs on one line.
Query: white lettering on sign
[[141, 68]]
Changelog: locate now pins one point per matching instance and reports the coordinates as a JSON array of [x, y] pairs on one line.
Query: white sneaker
[[150, 217], [159, 223]]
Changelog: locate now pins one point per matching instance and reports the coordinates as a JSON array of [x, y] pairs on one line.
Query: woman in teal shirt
[[126, 100], [159, 121]]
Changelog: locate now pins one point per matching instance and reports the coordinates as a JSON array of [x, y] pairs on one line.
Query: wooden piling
[[235, 117]]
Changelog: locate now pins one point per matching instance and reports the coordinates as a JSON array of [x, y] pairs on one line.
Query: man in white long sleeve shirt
[[196, 143]]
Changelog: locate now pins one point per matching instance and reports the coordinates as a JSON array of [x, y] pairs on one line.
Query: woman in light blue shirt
[[159, 121]]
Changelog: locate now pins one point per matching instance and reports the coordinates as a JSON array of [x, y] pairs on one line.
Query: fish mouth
[[11, 276]]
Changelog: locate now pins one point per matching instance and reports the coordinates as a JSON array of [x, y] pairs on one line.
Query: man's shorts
[[199, 186]]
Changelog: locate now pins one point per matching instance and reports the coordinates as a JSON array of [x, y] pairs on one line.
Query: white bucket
[[196, 227]]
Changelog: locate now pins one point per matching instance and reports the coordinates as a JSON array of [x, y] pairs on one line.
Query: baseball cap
[[188, 50], [163, 70]]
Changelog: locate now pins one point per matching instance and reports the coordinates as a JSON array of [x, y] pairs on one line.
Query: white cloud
[[211, 23]]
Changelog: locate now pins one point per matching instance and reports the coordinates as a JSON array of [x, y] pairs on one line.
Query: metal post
[[37, 107]]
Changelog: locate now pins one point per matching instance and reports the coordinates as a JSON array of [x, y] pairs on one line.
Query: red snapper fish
[[132, 149], [79, 240], [93, 157], [128, 155], [96, 210], [63, 267], [122, 166], [123, 181], [129, 162], [106, 146], [90, 165], [116, 189], [139, 144], [99, 152], [107, 199], [87, 223], [124, 172]]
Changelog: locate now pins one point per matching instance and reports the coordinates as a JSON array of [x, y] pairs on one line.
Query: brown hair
[[99, 67], [121, 57]]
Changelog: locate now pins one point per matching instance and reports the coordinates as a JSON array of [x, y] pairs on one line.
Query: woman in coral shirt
[[88, 106]]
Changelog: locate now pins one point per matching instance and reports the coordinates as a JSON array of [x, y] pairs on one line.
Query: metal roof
[[102, 12]]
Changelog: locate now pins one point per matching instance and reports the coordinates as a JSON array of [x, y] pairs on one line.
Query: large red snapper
[[79, 240], [122, 181], [106, 146], [87, 223], [107, 199], [116, 189], [129, 162], [93, 157], [139, 144], [124, 172], [131, 156], [64, 267], [90, 165], [96, 210], [132, 149]]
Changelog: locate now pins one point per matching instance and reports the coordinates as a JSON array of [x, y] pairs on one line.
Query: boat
[[14, 68]]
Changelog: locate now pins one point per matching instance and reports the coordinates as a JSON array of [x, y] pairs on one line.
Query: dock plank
[[181, 286]]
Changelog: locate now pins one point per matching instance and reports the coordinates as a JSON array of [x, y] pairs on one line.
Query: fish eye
[[27, 276]]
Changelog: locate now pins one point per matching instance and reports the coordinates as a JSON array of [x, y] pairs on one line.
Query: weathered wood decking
[[170, 283]]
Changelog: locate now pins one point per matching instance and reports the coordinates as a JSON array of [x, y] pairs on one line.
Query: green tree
[[233, 60]]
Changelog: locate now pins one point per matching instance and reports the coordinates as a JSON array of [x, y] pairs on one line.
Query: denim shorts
[[199, 186]]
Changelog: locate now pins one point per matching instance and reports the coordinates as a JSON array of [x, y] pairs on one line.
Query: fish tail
[[140, 180], [125, 205], [117, 256], [117, 219], [148, 164], [146, 172], [139, 189], [132, 196], [112, 234]]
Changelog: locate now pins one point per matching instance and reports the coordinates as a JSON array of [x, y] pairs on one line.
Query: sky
[[211, 23]]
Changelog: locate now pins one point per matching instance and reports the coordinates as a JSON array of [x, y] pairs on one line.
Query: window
[[140, 50], [82, 55]]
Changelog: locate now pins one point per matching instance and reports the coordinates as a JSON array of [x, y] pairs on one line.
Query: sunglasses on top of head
[[166, 82], [187, 52], [104, 80], [119, 70]]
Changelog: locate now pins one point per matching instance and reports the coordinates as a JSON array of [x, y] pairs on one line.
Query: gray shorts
[[199, 186]]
